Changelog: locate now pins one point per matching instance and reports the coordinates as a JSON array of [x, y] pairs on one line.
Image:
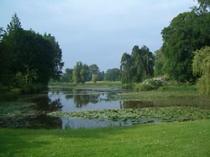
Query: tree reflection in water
[[136, 104], [36, 117]]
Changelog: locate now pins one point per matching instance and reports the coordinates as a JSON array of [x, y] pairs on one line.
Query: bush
[[150, 84]]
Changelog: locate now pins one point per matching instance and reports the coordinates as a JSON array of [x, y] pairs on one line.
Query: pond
[[79, 100]]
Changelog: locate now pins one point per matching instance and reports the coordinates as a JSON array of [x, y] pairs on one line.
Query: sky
[[96, 31]]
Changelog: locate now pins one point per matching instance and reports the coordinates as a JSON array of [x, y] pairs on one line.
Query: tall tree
[[201, 68], [28, 56], [137, 66], [15, 24], [77, 72], [126, 72], [159, 63], [187, 32], [204, 5]]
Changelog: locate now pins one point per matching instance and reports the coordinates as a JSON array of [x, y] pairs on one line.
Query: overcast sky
[[96, 31]]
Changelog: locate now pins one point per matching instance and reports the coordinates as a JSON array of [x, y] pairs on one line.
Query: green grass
[[187, 139], [171, 95]]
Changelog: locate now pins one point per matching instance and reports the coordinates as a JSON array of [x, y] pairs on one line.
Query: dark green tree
[[15, 24], [187, 32], [28, 57], [126, 69]]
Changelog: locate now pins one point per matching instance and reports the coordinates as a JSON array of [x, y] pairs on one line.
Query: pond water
[[87, 100], [72, 100]]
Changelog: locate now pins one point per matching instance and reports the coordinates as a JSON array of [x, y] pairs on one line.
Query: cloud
[[97, 31]]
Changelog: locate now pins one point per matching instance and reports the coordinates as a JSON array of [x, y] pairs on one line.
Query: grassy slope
[[172, 139]]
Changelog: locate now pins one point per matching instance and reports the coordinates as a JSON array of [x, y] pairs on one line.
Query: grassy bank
[[88, 85], [169, 95], [171, 139]]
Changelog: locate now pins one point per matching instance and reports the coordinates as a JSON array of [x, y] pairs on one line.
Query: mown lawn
[[187, 139]]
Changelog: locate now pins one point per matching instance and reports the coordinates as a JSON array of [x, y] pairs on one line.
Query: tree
[[138, 66], [81, 73], [15, 24], [101, 76], [113, 74], [67, 76], [201, 68], [57, 56], [187, 32], [28, 55], [143, 63], [77, 72], [94, 70], [204, 5], [85, 73], [159, 63], [125, 68]]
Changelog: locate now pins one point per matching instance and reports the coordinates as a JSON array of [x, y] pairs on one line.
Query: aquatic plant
[[160, 114]]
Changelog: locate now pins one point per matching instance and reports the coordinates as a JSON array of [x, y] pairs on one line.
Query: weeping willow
[[201, 67]]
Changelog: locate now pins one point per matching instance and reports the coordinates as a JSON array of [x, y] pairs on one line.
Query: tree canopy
[[113, 75], [28, 57], [137, 66], [186, 33], [201, 68]]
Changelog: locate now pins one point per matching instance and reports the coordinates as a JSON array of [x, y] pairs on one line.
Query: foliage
[[204, 6], [187, 32], [27, 57], [83, 73], [67, 75], [201, 67], [137, 66], [150, 84], [165, 114], [125, 68], [113, 74], [159, 63]]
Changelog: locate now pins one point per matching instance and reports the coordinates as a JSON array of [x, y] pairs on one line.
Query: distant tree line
[[27, 59], [82, 73]]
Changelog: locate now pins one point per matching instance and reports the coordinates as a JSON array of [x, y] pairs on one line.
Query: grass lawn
[[187, 139]]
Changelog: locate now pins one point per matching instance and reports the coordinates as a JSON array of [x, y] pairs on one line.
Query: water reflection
[[83, 100], [80, 100], [36, 115], [136, 104], [45, 105]]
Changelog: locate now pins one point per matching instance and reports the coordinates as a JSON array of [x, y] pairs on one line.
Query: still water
[[86, 100], [72, 100]]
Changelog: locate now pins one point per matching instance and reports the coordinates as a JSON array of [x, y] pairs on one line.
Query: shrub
[[150, 84]]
